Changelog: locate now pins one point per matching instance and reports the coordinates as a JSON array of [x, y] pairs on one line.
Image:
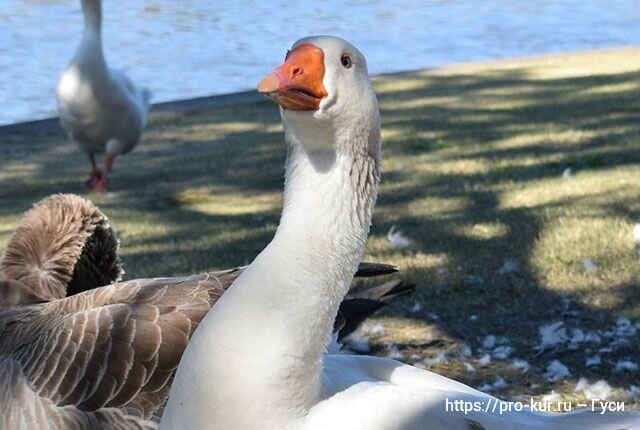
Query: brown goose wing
[[112, 350], [63, 245]]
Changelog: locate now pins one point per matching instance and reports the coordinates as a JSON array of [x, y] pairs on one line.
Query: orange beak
[[297, 84]]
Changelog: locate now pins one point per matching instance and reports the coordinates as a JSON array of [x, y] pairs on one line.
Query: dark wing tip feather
[[359, 306], [368, 270]]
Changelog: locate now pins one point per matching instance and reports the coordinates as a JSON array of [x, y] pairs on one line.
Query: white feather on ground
[[439, 358], [397, 239], [465, 351], [636, 234], [417, 307], [498, 384], [589, 266], [484, 360], [377, 330], [598, 390], [625, 328], [566, 173], [469, 367], [552, 335], [626, 366], [593, 361], [633, 393], [522, 365], [392, 351], [556, 371], [489, 342], [502, 352], [509, 266]]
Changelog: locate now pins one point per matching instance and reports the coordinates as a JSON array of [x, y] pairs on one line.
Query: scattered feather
[[577, 337], [377, 330], [619, 343], [473, 318], [592, 337], [593, 361], [556, 371], [417, 307], [522, 365], [439, 358], [502, 352], [589, 266], [509, 266], [552, 335], [625, 328], [393, 352], [633, 393], [498, 384], [484, 360], [566, 173], [468, 367], [599, 390], [626, 366], [636, 234], [397, 239], [465, 351], [474, 280], [489, 342]]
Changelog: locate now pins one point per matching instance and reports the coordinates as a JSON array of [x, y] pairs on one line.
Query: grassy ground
[[473, 176]]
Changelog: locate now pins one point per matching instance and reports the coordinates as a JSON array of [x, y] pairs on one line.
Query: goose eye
[[346, 61]]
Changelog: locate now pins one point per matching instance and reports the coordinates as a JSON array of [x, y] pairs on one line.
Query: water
[[189, 48]]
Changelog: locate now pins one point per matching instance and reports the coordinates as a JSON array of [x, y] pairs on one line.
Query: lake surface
[[187, 48]]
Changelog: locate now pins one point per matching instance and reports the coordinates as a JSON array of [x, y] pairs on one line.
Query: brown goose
[[75, 355]]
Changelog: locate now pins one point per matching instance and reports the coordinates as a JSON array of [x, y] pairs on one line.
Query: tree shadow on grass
[[501, 131]]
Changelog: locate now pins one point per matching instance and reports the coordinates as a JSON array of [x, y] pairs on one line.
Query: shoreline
[[51, 125]]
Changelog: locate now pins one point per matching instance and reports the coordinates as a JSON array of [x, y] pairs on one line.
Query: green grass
[[473, 163]]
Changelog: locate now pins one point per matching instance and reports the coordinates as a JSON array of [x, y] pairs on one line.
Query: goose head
[[325, 95]]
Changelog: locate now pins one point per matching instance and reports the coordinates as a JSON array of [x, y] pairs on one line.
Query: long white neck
[[255, 360], [90, 53]]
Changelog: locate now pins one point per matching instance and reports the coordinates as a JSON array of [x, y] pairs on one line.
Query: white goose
[[257, 361], [100, 108]]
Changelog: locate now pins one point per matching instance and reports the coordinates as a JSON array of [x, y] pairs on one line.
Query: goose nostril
[[296, 71]]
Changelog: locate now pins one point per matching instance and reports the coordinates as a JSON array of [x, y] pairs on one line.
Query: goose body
[[100, 108], [77, 355], [261, 349]]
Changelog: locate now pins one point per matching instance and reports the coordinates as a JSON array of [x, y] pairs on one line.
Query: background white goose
[[103, 358], [100, 108], [261, 348]]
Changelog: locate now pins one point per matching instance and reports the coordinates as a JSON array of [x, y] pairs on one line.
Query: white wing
[[374, 393]]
